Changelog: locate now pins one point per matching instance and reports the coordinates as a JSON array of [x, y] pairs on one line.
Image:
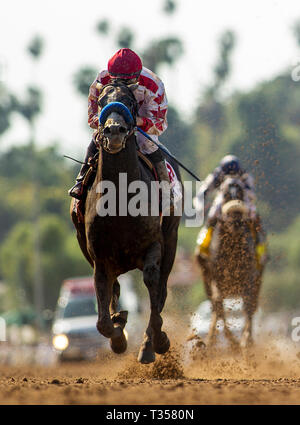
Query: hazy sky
[[265, 46]]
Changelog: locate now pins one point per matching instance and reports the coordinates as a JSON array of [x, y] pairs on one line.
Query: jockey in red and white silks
[[125, 65], [152, 101]]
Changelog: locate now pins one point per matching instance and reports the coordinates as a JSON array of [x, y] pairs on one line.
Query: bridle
[[232, 202], [128, 113], [231, 187]]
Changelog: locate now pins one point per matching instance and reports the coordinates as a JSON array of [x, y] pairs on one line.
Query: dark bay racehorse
[[115, 244], [231, 271]]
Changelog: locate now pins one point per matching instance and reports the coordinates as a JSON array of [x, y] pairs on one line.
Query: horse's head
[[235, 212], [118, 107], [232, 188]]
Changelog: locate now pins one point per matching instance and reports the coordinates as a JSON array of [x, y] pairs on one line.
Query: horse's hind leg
[[105, 324], [246, 339], [151, 274], [170, 224], [250, 305], [218, 313]]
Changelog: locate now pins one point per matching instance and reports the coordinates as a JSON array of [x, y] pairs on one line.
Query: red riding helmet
[[124, 64]]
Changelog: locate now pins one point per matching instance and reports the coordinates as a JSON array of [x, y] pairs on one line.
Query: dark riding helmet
[[230, 164]]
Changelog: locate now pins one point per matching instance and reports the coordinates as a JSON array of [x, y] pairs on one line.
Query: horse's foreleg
[[247, 340], [103, 287], [115, 298], [151, 270], [118, 317], [216, 302], [250, 305], [229, 335], [151, 273], [105, 324]]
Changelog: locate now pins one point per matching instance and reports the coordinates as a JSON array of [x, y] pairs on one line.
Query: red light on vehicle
[[79, 286]]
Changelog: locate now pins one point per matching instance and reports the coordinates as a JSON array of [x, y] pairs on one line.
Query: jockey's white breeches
[[145, 145]]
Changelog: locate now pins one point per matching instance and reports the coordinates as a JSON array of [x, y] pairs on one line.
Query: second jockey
[[150, 94], [229, 166]]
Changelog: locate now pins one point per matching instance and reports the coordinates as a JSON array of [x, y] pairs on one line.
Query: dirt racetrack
[[269, 376]]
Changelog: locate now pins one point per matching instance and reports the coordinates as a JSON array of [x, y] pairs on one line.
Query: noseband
[[103, 141]]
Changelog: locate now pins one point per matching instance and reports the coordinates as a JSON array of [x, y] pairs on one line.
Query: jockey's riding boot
[[261, 255], [204, 240], [78, 189], [166, 191]]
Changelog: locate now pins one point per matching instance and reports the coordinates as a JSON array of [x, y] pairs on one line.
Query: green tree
[[58, 261], [125, 38], [103, 27], [35, 47], [169, 7], [271, 159], [178, 138], [222, 68], [210, 115], [83, 78], [296, 31], [160, 52], [8, 105]]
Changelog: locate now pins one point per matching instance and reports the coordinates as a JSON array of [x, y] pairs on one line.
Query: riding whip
[[124, 111], [162, 148]]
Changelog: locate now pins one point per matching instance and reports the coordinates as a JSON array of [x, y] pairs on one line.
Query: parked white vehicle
[[74, 332]]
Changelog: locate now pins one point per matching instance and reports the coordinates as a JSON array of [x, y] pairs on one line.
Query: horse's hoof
[[146, 356], [163, 345], [119, 343]]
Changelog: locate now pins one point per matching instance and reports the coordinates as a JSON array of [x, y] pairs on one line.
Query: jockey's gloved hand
[[139, 121], [198, 200], [197, 203]]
